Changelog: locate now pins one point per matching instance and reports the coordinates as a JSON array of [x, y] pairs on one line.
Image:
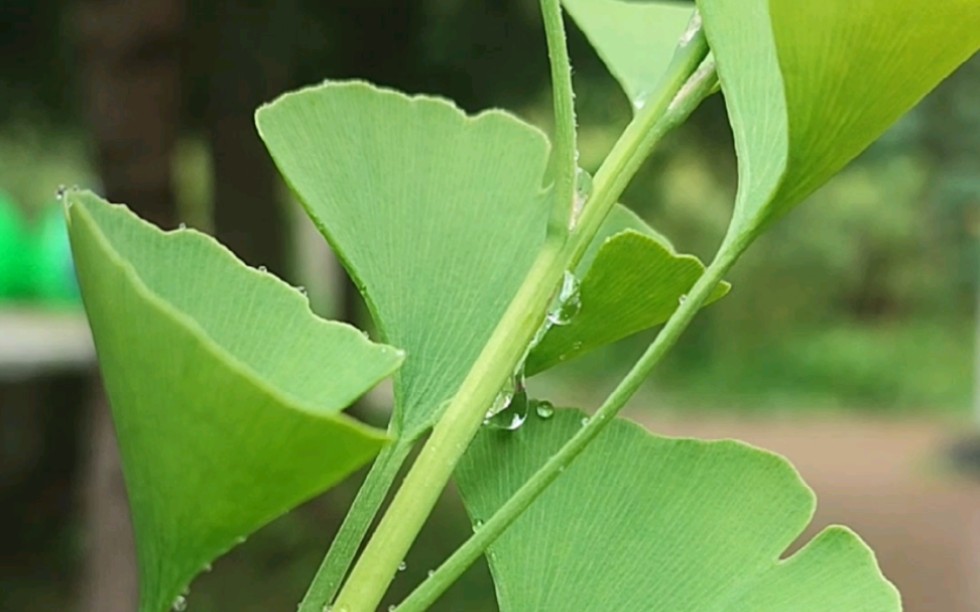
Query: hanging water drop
[[179, 604], [682, 299], [568, 301], [513, 415], [544, 409], [583, 191], [301, 289], [584, 421], [430, 573], [263, 269], [477, 524], [640, 100], [182, 225], [402, 566], [391, 608], [502, 401]]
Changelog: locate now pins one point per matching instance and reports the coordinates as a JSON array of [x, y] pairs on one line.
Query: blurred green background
[[861, 300]]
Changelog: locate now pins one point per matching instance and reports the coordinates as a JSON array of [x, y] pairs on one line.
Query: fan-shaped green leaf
[[642, 522], [225, 389], [436, 215], [809, 85], [632, 279], [636, 41]]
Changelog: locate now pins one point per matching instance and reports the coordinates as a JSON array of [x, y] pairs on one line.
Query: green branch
[[461, 420], [564, 155], [370, 496], [697, 88]]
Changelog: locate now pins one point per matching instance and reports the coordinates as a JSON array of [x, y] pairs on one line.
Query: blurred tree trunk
[[129, 55], [252, 63]]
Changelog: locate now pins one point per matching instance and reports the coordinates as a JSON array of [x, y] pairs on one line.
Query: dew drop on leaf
[[502, 401], [568, 301], [182, 225], [179, 604], [583, 191], [402, 566], [544, 409], [511, 416]]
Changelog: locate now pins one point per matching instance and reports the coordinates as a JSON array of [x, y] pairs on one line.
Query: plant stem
[[700, 84], [427, 593], [564, 157], [345, 544], [417, 495], [641, 135], [452, 434]]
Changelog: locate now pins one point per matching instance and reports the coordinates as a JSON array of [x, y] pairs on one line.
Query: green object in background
[[14, 276], [35, 259]]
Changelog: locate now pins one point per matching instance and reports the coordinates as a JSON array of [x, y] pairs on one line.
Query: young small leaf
[[437, 215], [632, 279], [643, 522], [225, 389], [809, 85]]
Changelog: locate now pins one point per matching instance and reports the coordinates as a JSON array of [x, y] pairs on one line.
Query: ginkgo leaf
[[809, 85], [436, 215], [632, 279], [225, 389], [643, 522]]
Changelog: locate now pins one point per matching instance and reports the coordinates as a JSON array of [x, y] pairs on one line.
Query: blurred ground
[[883, 479]]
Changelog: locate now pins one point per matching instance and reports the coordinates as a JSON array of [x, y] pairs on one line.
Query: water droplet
[[540, 334], [240, 539], [502, 401], [430, 573], [568, 301], [402, 566], [179, 604], [544, 409], [584, 421], [206, 568], [391, 608], [263, 269], [682, 299], [60, 192], [182, 225], [583, 191], [301, 289], [640, 100], [513, 415], [477, 524]]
